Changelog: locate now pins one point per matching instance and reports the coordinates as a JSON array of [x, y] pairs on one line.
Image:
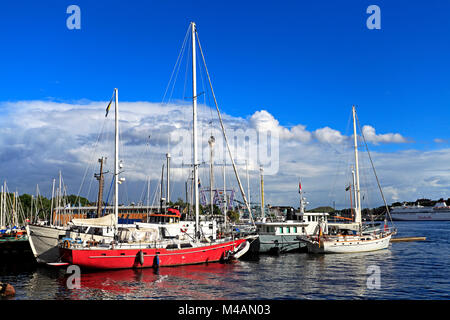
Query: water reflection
[[185, 282]]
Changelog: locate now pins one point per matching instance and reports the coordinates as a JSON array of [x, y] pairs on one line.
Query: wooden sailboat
[[347, 240], [152, 250]]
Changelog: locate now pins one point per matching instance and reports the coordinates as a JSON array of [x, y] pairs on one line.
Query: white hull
[[352, 244], [44, 241], [421, 216]]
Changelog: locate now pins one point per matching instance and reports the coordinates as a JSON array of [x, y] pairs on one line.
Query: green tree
[[233, 216], [75, 201]]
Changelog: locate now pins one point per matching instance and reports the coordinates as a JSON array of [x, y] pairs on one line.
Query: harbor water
[[406, 270]]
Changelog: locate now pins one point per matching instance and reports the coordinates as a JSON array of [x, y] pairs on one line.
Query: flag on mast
[[109, 105]]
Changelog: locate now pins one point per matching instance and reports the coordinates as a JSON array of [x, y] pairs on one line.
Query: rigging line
[[224, 134], [107, 197], [156, 192], [107, 136], [124, 151], [90, 161], [174, 67], [374, 171], [188, 61], [341, 160], [206, 94], [178, 70], [147, 180]]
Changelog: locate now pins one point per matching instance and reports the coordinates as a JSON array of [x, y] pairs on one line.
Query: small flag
[[299, 186], [348, 188], [109, 105], [199, 184]]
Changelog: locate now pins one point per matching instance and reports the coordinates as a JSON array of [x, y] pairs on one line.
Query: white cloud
[[39, 138], [328, 135], [371, 136], [264, 121]]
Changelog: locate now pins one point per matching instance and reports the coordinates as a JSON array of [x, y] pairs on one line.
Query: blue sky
[[305, 62], [301, 60]]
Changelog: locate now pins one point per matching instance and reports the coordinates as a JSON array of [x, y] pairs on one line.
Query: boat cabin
[[299, 224], [171, 216]]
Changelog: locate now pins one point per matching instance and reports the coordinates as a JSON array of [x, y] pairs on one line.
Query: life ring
[[66, 244], [183, 230]]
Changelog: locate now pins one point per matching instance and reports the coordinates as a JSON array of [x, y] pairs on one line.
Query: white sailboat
[[348, 240]]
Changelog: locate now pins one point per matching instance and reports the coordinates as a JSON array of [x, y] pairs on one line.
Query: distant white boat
[[440, 212]]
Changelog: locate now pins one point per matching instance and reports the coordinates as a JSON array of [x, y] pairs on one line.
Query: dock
[[408, 239]]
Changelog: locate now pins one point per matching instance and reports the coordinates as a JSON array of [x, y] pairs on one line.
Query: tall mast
[[31, 208], [148, 195], [58, 212], [4, 202], [211, 173], [354, 190], [36, 204], [262, 192], [14, 209], [1, 208], [194, 129], [248, 182], [51, 203], [302, 203], [225, 204], [100, 179], [168, 179], [358, 194], [191, 197], [161, 199], [116, 159]]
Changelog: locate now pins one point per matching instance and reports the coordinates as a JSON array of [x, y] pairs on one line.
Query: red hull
[[130, 258]]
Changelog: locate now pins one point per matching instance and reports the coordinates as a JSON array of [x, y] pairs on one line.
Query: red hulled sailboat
[[145, 246]]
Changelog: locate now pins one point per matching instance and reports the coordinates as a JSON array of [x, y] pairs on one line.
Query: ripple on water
[[408, 270]]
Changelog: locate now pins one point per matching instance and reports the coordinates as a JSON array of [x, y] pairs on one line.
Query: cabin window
[[295, 229], [303, 230], [281, 229], [288, 230]]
